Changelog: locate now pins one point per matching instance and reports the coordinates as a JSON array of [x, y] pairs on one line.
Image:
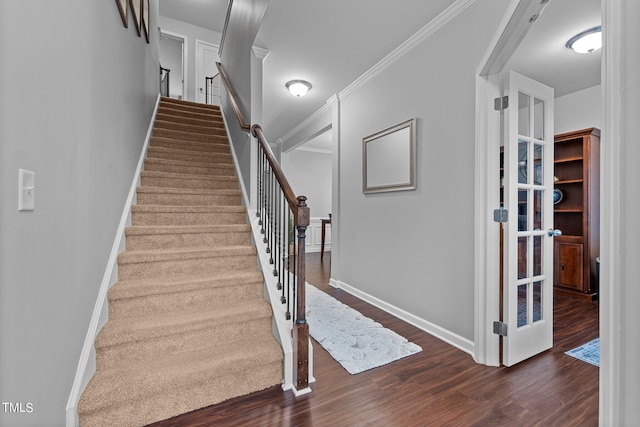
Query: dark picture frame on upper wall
[[145, 18], [123, 9], [136, 5]]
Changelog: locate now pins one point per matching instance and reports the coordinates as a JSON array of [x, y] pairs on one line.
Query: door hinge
[[500, 104], [500, 215], [500, 328]]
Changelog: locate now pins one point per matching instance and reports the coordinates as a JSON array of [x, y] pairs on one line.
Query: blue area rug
[[589, 352]]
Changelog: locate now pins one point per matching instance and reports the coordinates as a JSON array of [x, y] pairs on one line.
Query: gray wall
[[78, 90], [578, 110], [309, 174], [414, 249], [236, 56]]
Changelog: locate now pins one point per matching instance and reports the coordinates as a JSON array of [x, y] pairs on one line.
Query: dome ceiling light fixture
[[298, 87], [587, 41]]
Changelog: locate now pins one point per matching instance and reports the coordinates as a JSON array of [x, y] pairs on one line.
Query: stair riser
[[184, 240], [203, 184], [200, 115], [213, 170], [194, 218], [213, 121], [172, 268], [182, 127], [171, 199], [161, 153], [189, 136], [179, 397], [204, 147], [184, 300], [188, 340]]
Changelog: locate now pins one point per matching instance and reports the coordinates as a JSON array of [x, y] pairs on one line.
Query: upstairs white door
[[206, 58], [528, 240]]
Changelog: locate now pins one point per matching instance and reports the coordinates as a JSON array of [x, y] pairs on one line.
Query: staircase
[[188, 325]]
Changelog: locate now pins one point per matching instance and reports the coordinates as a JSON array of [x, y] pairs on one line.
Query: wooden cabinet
[[577, 213]]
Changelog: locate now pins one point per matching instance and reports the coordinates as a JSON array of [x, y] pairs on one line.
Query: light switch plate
[[26, 190]]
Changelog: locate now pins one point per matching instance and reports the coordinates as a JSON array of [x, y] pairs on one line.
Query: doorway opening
[[578, 107], [173, 58]]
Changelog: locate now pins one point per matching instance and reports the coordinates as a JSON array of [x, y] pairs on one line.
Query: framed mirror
[[389, 159]]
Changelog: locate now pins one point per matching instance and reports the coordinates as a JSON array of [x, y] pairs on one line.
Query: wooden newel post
[[300, 327]]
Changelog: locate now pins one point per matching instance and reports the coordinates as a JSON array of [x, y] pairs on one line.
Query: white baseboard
[[87, 363], [432, 329]]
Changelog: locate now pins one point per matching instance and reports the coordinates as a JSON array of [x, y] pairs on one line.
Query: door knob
[[554, 233]]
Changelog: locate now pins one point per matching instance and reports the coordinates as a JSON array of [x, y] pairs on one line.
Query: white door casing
[[528, 241]]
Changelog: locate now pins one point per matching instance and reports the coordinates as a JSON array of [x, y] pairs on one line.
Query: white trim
[[420, 36], [185, 58], [610, 213], [445, 335], [100, 310], [260, 52], [487, 198], [313, 150]]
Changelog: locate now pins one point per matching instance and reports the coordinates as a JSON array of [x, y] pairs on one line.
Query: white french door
[[528, 238]]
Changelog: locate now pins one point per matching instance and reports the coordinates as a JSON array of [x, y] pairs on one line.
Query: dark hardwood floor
[[440, 386]]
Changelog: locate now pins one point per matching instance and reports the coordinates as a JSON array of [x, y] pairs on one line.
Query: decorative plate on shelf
[[557, 196]]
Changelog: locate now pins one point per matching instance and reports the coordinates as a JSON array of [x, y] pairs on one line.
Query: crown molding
[[420, 36], [260, 52], [424, 33], [313, 150]]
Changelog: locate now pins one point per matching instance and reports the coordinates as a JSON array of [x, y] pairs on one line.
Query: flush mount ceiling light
[[298, 87], [587, 41]]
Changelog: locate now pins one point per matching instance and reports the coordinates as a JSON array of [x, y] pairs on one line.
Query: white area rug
[[355, 341]]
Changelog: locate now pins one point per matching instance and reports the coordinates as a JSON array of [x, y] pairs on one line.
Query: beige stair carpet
[[188, 325]]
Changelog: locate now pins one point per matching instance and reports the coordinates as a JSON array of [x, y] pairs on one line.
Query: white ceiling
[[331, 43], [542, 55]]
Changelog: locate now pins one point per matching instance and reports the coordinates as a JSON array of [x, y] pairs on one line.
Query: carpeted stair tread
[[187, 209], [187, 229], [187, 155], [195, 191], [184, 127], [187, 215], [186, 167], [158, 255], [166, 285], [167, 117], [184, 382], [181, 103], [209, 147], [177, 180], [187, 196], [130, 329], [149, 237], [169, 109], [188, 136], [142, 297]]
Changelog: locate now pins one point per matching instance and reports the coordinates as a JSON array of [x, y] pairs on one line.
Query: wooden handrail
[[236, 108]]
